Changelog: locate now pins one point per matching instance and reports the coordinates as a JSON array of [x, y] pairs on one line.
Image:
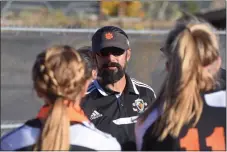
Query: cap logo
[[108, 36]]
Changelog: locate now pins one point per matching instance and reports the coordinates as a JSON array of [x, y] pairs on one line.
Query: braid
[[58, 74], [50, 80], [76, 83]]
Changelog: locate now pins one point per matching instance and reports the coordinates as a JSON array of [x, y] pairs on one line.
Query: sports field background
[[19, 50]]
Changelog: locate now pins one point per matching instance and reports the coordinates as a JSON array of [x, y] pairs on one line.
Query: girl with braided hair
[[190, 111], [59, 78]]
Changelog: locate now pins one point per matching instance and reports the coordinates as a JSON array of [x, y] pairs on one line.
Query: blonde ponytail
[[183, 103], [55, 132], [58, 75], [189, 48]]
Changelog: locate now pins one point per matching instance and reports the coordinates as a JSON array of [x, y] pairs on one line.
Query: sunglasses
[[115, 52]]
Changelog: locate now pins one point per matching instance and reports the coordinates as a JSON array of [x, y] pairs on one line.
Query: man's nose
[[111, 57]]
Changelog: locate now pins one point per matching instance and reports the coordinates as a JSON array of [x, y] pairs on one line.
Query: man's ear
[[94, 74], [128, 54]]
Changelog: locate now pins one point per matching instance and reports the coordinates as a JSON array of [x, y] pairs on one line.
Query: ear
[[214, 67], [128, 54], [218, 64], [94, 74], [219, 61], [40, 95]]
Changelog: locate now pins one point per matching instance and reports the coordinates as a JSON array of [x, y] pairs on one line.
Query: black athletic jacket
[[116, 113]]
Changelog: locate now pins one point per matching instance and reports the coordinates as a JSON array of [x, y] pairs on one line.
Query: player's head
[[58, 76], [59, 71], [110, 45], [193, 45], [192, 53]]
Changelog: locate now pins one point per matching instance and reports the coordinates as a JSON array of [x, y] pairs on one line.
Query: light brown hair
[[58, 75], [190, 49]]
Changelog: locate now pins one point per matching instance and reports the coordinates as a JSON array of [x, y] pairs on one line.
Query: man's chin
[[110, 76], [109, 79]]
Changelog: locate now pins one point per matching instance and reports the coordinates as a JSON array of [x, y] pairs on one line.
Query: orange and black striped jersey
[[208, 134], [83, 134]]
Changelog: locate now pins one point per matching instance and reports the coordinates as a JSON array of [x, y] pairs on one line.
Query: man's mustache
[[112, 64]]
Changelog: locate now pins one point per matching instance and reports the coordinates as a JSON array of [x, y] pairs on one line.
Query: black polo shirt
[[116, 113]]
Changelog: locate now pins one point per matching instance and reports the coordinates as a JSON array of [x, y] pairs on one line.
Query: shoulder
[[103, 141], [92, 87], [216, 98], [91, 95], [142, 87], [21, 137]]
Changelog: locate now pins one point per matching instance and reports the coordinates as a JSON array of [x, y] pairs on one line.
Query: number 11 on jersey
[[216, 140]]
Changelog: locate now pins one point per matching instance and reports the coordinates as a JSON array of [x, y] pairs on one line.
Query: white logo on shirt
[[95, 115], [139, 105]]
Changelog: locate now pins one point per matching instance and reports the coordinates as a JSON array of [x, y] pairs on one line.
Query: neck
[[118, 86]]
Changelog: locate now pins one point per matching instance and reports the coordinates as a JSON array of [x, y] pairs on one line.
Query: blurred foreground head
[[59, 78], [192, 46], [193, 61], [59, 72]]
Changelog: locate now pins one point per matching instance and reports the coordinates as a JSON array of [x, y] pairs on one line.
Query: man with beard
[[114, 100]]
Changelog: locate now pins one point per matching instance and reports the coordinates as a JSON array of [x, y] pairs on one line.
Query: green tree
[[109, 8], [134, 9], [190, 6], [161, 10]]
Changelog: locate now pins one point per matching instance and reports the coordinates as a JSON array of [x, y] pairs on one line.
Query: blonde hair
[[58, 75], [189, 48]]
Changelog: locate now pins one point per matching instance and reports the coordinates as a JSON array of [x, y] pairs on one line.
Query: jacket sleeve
[[5, 146]]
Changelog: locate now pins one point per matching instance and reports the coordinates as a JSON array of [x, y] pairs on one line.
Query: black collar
[[130, 86]]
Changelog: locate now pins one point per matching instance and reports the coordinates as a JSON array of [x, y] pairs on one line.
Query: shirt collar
[[129, 88], [99, 88]]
